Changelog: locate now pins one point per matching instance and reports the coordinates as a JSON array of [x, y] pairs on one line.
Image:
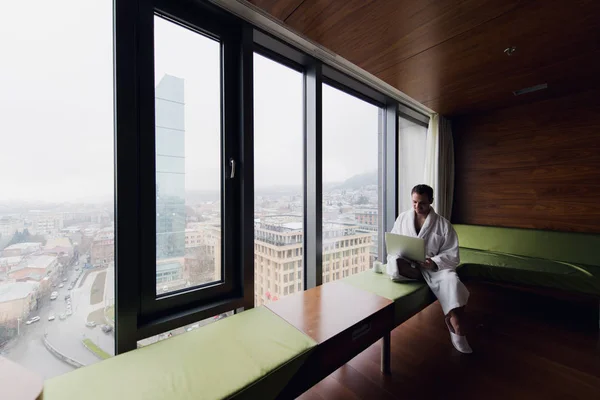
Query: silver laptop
[[406, 246]]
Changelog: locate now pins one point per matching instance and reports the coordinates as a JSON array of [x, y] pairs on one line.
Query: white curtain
[[439, 164], [430, 176]]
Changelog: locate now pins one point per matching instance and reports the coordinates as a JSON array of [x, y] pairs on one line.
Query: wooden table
[[18, 383], [343, 320]]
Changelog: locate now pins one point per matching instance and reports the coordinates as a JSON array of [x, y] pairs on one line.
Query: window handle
[[232, 164]]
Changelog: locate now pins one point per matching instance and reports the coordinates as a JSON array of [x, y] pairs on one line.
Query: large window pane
[[56, 184], [411, 160], [351, 210], [278, 180], [188, 157]]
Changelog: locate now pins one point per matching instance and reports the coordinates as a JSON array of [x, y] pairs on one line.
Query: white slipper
[[459, 342]]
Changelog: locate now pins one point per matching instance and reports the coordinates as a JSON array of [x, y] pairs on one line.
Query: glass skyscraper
[[170, 168]]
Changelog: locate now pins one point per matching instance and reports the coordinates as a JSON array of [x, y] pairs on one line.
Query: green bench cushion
[[512, 268], [579, 248], [250, 355], [409, 298]]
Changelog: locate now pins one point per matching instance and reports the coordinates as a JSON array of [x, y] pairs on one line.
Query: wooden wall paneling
[[531, 166], [563, 77], [545, 32], [449, 55], [280, 9], [376, 35]]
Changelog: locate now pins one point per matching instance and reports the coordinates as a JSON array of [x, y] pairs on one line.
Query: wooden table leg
[[386, 354]]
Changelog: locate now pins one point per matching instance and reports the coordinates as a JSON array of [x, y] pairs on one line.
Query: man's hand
[[429, 264]]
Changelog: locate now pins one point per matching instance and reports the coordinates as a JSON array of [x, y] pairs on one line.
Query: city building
[[203, 254], [59, 246], [10, 225], [368, 221], [39, 222], [21, 249], [278, 255], [345, 250], [9, 262], [366, 217], [170, 168], [169, 274], [102, 251], [17, 299], [34, 268]]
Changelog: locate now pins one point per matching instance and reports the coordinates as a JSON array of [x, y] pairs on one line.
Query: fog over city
[[57, 108], [57, 176]]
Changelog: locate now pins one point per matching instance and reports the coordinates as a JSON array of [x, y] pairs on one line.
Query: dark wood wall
[[531, 166], [449, 54]]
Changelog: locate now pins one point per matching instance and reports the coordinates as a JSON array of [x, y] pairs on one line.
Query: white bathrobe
[[441, 245]]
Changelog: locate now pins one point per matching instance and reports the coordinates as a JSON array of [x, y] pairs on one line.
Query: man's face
[[421, 203]]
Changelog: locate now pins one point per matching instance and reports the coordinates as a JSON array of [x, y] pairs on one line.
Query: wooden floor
[[525, 347]]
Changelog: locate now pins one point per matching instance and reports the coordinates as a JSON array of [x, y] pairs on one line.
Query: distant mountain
[[358, 181], [354, 182]]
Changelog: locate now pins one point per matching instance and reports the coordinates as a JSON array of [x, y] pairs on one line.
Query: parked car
[[62, 285], [54, 296], [65, 279], [32, 320], [62, 316], [51, 317], [67, 296], [90, 324], [106, 328]]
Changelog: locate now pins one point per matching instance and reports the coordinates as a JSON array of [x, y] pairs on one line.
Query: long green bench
[[409, 298], [255, 354], [251, 355], [557, 260]]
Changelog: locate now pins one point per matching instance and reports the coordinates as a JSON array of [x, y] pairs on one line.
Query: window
[[185, 235], [411, 159], [351, 185], [278, 162], [57, 122], [188, 148]]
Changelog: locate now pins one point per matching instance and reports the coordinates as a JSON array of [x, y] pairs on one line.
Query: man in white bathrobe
[[438, 270]]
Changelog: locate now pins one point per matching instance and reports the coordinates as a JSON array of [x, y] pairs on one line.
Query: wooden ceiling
[[449, 54]]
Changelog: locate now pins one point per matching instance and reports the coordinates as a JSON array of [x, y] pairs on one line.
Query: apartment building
[[278, 255]]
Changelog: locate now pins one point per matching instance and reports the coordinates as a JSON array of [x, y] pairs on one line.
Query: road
[[65, 335]]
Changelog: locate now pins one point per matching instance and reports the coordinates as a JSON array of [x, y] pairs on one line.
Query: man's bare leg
[[456, 319]]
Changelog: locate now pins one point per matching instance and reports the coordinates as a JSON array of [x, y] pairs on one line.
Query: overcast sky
[[56, 100]]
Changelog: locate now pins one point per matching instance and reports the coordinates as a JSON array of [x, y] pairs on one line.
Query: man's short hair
[[423, 189]]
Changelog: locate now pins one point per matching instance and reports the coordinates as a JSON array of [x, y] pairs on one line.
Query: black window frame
[[138, 312], [156, 313]]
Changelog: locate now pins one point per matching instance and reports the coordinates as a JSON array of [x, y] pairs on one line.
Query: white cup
[[378, 267]]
